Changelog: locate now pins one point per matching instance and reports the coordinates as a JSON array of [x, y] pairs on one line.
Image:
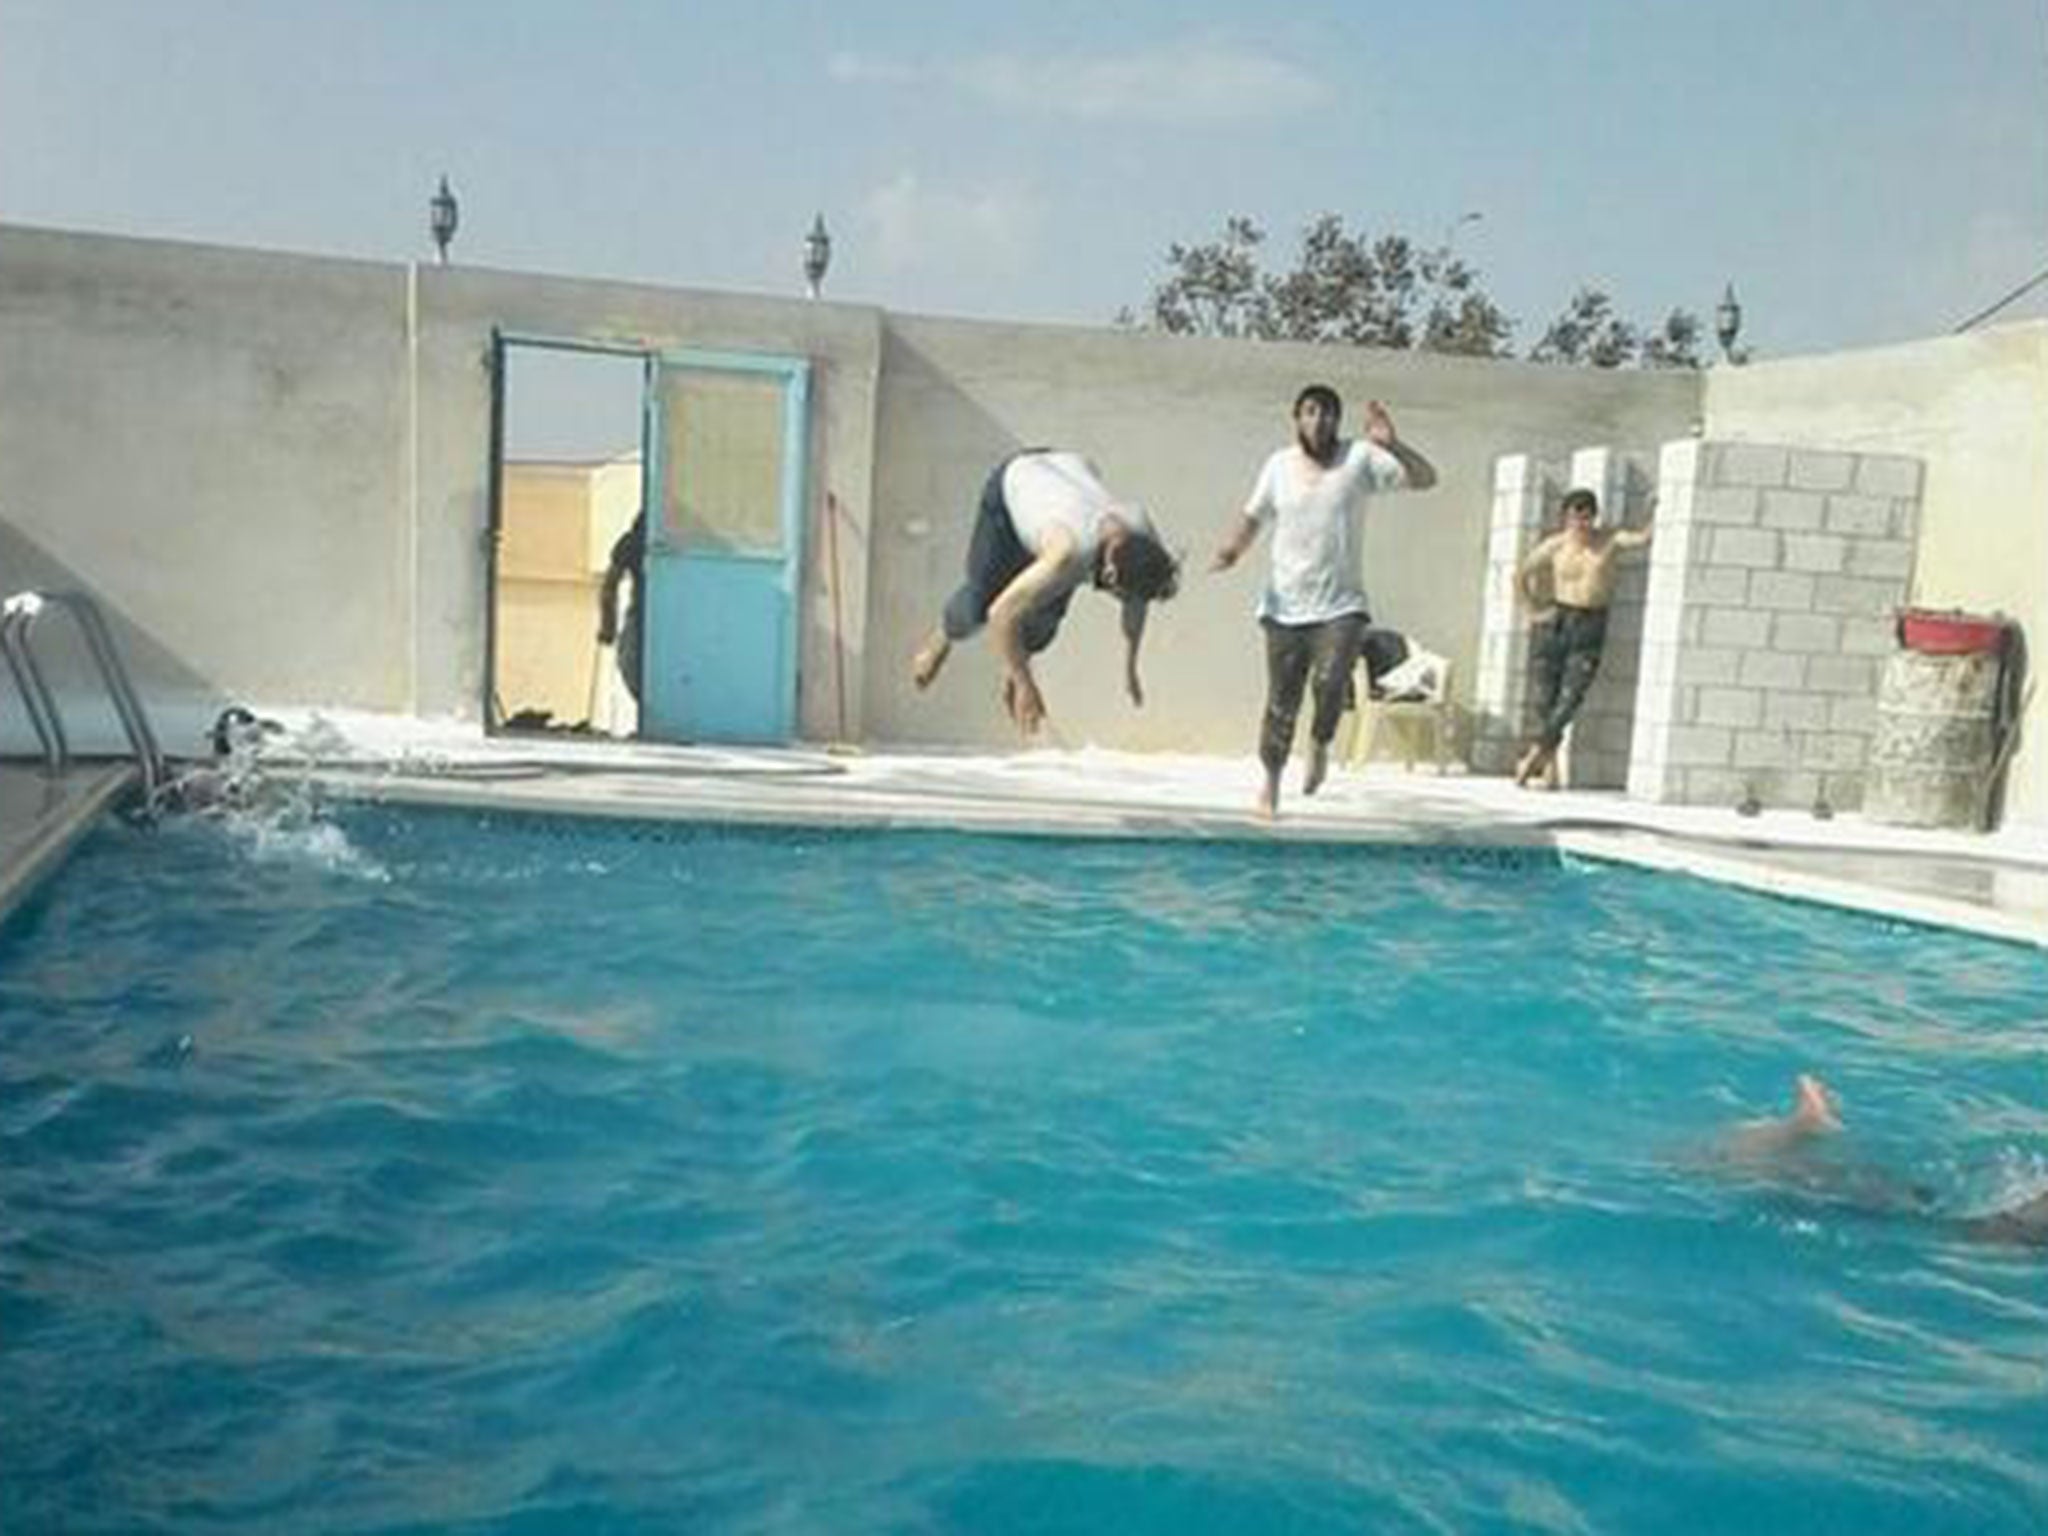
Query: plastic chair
[[1432, 708]]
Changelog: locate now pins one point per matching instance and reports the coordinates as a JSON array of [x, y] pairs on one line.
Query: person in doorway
[[1790, 1151], [1571, 622], [628, 560], [1313, 610], [1045, 526]]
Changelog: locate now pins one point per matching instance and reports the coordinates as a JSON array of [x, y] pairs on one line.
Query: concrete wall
[[1972, 409], [209, 442], [1773, 581], [1183, 425], [273, 471]]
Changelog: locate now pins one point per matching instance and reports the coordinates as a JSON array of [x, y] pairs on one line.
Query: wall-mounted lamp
[[817, 256], [443, 215], [1728, 325]]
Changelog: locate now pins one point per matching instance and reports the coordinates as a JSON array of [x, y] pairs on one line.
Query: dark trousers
[[1566, 656], [1295, 653], [995, 556]]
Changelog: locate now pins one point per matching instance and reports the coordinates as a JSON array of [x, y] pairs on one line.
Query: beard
[[1323, 449]]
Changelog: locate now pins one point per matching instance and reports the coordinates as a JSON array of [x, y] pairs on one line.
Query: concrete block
[[1734, 627], [1819, 471], [1678, 463], [1697, 746], [1796, 711], [1713, 786], [1710, 666], [1852, 676], [1837, 750], [1805, 632], [1881, 557], [1884, 474], [1663, 623], [1723, 586], [1854, 595], [1819, 552], [1801, 510], [1792, 590], [1736, 506], [1871, 636], [1763, 749], [1868, 517], [1734, 707], [1771, 669], [1905, 519], [1757, 548], [1747, 464], [1858, 715]]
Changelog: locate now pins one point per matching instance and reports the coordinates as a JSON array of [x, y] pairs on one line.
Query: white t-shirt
[[1318, 526], [1056, 489]]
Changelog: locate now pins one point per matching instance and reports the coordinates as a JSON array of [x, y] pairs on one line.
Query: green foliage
[[1389, 292]]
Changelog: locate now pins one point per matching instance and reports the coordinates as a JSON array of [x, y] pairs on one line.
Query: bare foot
[[931, 656], [1269, 798], [1530, 764], [1814, 1108], [1318, 767]]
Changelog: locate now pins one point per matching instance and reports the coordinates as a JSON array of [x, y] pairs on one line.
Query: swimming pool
[[445, 1172]]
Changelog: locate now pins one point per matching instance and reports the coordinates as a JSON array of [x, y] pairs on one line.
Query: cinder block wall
[[1773, 582]]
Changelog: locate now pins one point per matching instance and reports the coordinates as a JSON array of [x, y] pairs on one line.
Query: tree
[[1216, 289], [1389, 292], [1343, 287], [1677, 345], [1588, 334]]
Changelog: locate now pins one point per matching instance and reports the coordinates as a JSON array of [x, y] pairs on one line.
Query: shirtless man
[[1571, 621], [1784, 1149], [1046, 525]]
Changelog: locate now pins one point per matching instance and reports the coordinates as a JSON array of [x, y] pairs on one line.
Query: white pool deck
[[1995, 884]]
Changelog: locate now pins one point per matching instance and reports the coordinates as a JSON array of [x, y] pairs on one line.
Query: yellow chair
[[1432, 709]]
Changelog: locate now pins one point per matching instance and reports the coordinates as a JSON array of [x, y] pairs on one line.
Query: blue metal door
[[725, 436]]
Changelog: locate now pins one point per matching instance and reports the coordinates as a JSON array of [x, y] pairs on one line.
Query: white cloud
[[868, 69], [1201, 80], [917, 228], [1194, 80]]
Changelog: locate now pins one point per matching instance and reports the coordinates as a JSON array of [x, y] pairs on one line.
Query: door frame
[[494, 489]]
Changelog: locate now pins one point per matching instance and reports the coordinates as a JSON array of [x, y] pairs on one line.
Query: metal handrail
[[18, 616]]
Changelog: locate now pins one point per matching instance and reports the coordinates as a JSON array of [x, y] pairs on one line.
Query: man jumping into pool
[[1045, 525], [1787, 1148]]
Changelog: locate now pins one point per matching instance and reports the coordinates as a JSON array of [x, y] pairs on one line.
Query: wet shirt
[[1317, 519], [1054, 489]]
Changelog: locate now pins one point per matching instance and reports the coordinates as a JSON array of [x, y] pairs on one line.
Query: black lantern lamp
[[817, 256], [443, 215], [1728, 325]]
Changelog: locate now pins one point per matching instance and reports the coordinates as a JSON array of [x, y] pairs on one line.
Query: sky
[[1863, 171]]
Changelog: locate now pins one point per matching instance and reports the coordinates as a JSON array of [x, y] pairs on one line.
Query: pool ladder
[[18, 616]]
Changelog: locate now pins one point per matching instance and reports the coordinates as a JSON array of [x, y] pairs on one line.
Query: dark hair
[[1581, 500], [1144, 569], [1323, 395]]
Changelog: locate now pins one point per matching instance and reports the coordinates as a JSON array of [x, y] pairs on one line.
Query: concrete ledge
[[42, 818]]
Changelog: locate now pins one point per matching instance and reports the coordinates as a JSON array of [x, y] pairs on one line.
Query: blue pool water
[[438, 1173]]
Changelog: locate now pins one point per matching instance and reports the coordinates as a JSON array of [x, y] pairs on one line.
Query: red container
[[1950, 633]]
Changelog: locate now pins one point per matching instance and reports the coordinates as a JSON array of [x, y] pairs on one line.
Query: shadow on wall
[[934, 449], [181, 704]]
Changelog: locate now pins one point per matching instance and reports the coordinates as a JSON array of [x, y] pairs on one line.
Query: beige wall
[[1975, 409], [209, 442], [1182, 425]]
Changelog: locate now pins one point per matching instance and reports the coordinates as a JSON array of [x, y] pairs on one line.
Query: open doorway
[[567, 568]]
